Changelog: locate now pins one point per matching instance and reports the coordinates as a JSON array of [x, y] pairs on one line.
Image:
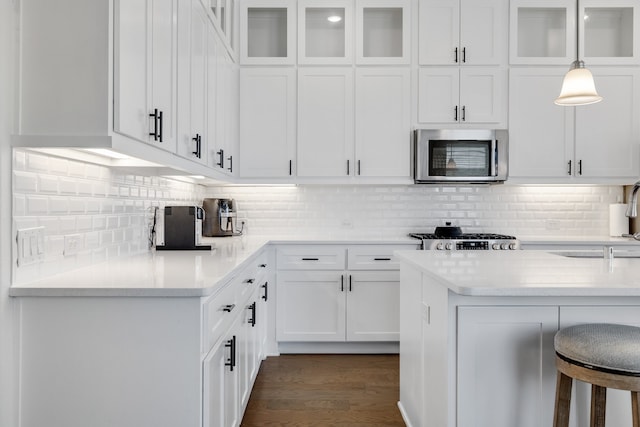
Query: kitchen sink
[[596, 254]]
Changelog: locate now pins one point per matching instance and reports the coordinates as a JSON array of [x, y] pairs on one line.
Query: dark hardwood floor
[[326, 390]]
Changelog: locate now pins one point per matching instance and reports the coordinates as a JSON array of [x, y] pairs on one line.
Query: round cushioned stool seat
[[601, 346]]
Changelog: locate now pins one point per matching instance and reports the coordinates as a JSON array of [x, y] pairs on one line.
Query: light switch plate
[[30, 245]]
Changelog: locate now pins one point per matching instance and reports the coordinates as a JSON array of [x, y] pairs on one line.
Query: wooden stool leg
[[635, 409], [563, 400], [598, 405]]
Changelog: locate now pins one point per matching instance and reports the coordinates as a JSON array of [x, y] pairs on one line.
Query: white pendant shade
[[578, 87]]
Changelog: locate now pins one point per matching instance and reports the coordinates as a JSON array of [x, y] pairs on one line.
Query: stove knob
[[512, 246], [448, 246], [504, 246], [439, 246], [495, 246]]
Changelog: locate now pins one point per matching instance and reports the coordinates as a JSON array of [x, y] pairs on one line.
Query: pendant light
[[578, 87]]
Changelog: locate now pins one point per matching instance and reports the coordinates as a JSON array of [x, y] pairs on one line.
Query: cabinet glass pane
[[382, 32], [542, 32], [267, 32], [325, 33], [608, 32]]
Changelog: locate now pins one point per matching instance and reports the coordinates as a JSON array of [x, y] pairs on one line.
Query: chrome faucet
[[632, 207]]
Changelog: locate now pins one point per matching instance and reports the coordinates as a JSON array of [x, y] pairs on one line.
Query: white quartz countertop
[[190, 273], [527, 273], [155, 273]]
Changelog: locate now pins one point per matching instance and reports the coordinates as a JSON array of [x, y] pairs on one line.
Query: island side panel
[[101, 362], [426, 359]]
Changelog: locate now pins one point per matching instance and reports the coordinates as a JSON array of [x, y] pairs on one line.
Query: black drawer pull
[[250, 281], [266, 291], [382, 259], [231, 345], [228, 308], [311, 259], [252, 308], [263, 266]]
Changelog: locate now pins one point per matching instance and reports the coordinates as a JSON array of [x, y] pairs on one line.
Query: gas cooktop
[[466, 241], [463, 236]]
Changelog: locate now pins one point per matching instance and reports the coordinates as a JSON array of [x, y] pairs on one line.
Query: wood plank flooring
[[326, 390]]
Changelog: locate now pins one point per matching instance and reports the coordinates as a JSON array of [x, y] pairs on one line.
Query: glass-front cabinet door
[[325, 32], [382, 32], [608, 33], [543, 32], [268, 32]]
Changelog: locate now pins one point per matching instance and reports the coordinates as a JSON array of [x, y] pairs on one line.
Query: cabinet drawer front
[[379, 257], [311, 258], [218, 312], [252, 276]]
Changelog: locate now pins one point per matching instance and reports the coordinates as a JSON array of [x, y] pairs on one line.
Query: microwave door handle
[[494, 163]]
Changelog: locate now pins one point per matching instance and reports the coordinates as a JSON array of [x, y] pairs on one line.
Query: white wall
[[8, 361]]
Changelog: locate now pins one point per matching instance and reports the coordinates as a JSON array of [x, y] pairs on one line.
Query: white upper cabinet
[[469, 95], [225, 19], [268, 32], [268, 117], [597, 143], [382, 31], [145, 71], [325, 32], [382, 126], [325, 122], [192, 122], [544, 32], [608, 32], [463, 32]]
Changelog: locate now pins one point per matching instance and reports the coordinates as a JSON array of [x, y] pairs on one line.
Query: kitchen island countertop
[[527, 273]]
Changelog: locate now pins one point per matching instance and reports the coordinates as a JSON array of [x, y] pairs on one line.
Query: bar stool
[[603, 355]]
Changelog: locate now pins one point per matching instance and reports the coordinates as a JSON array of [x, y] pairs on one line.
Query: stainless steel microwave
[[460, 155]]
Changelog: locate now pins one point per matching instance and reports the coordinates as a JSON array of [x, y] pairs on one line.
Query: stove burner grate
[[464, 236]]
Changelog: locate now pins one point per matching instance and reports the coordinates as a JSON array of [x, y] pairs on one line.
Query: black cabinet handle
[[290, 167], [228, 308], [155, 115], [342, 283], [250, 281], [382, 259], [579, 167], [464, 113], [456, 56], [198, 141], [266, 291], [455, 113], [569, 171], [263, 266], [230, 168], [252, 321], [161, 125], [358, 167], [350, 286], [221, 158], [311, 259], [231, 361], [348, 169], [464, 54]]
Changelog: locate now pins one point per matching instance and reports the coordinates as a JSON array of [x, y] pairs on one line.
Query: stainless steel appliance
[[450, 238], [183, 228], [220, 219], [460, 155]]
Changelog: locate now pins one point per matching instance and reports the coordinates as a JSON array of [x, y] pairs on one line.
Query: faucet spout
[[632, 207]]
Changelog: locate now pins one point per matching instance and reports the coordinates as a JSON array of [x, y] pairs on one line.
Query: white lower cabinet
[[321, 297], [510, 348], [144, 361]]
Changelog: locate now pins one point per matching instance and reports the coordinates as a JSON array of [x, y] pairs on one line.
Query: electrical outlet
[[30, 245], [72, 244]]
